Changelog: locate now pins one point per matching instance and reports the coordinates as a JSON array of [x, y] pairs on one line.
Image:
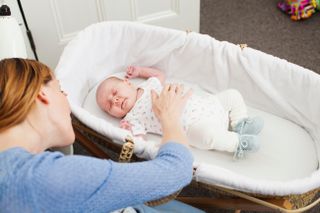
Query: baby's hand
[[124, 124], [132, 72]]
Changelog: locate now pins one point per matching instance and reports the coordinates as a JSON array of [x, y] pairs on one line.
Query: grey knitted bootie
[[247, 144], [251, 126]]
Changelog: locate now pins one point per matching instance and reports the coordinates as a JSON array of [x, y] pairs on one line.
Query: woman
[[35, 115]]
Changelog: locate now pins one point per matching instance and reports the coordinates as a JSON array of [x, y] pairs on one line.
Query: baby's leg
[[204, 135], [233, 102]]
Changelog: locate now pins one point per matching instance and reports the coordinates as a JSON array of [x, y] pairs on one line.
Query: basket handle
[[127, 150]]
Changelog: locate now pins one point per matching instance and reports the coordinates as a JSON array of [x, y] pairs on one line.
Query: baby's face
[[116, 97]]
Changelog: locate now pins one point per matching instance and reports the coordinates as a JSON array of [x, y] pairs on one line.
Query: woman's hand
[[168, 107], [170, 103]]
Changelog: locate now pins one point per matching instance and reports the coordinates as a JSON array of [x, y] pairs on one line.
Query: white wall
[[55, 22]]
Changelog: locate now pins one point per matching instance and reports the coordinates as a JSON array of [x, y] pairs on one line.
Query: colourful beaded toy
[[299, 9]]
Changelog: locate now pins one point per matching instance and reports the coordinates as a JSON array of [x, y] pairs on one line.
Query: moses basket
[[284, 174]]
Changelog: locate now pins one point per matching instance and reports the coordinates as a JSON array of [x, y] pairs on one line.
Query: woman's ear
[[42, 96]]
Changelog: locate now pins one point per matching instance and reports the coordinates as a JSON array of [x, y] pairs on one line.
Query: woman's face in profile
[[59, 113]]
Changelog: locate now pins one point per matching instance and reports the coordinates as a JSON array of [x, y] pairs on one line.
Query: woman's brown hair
[[20, 83]]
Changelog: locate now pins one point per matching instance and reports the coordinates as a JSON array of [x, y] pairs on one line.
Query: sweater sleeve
[[78, 183]]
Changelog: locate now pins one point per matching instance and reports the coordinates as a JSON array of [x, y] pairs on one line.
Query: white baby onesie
[[143, 120]]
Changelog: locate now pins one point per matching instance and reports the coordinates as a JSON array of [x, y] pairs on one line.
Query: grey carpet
[[261, 25]]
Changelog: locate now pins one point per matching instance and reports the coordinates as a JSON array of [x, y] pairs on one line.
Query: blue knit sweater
[[52, 182]]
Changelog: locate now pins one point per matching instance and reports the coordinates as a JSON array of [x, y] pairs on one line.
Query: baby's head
[[116, 96]]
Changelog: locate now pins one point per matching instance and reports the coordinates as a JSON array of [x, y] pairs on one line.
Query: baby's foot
[[132, 72], [250, 126], [124, 124], [247, 143]]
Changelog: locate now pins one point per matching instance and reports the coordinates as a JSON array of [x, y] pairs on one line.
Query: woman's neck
[[24, 136]]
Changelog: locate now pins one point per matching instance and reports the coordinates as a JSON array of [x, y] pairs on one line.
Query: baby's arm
[[145, 72], [125, 124]]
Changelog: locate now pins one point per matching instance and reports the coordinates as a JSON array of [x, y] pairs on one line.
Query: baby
[[217, 122]]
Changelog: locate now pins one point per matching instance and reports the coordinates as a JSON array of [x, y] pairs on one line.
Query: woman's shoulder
[[19, 152], [19, 158]]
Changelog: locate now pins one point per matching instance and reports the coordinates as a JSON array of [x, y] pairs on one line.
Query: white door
[[54, 23]]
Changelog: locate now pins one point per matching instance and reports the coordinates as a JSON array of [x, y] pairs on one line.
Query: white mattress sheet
[[287, 151]]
